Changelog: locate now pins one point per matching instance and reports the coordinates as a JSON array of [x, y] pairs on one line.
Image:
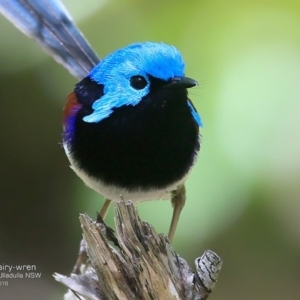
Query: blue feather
[[49, 23], [156, 59], [195, 114]]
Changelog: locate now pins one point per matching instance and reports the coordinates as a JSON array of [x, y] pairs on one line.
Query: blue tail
[[48, 22]]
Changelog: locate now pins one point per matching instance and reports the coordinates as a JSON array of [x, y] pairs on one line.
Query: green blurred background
[[244, 193]]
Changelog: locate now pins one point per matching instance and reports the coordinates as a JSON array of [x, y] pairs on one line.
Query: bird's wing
[[49, 23]]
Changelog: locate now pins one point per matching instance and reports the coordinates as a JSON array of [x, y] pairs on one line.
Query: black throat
[[150, 145]]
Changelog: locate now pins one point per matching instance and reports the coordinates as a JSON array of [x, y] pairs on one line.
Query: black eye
[[138, 82]]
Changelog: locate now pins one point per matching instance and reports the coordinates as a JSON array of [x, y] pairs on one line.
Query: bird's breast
[[150, 146]]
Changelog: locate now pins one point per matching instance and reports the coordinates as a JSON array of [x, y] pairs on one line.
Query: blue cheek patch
[[99, 113], [104, 106], [195, 114]]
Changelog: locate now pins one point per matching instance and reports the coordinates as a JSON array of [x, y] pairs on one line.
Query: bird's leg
[[104, 208], [82, 255], [178, 201]]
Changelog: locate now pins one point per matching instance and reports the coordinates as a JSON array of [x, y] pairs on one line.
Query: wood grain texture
[[142, 266]]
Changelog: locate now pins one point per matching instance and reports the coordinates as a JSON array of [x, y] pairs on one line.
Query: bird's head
[[126, 76]]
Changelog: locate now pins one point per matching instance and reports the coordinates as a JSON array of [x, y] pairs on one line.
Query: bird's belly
[[140, 157], [116, 193]]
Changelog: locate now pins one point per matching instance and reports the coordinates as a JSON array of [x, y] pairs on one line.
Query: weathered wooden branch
[[142, 266]]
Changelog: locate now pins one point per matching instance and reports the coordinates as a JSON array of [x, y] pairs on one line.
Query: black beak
[[180, 82]]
